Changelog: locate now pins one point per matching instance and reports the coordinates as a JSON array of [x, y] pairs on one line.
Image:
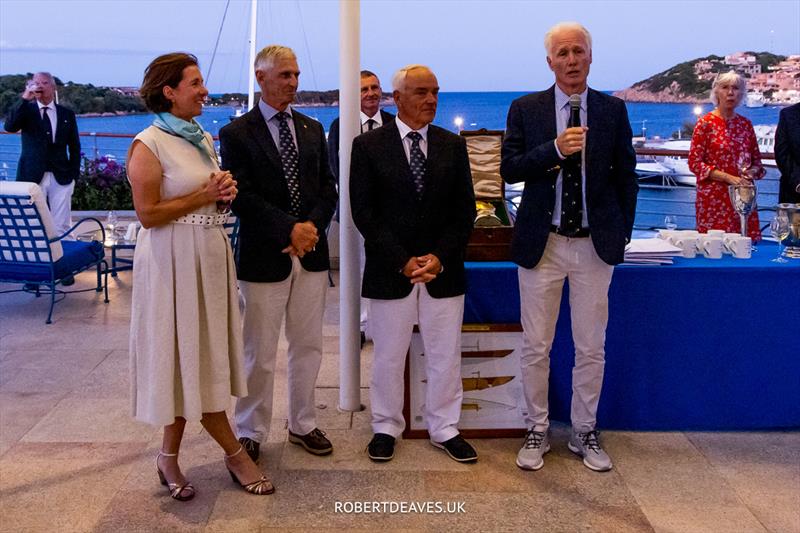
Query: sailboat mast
[[251, 78]]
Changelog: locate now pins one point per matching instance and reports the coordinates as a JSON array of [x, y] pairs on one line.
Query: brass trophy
[[486, 215], [743, 198]]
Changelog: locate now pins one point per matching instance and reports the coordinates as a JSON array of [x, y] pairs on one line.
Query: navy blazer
[[396, 225], [787, 153], [333, 140], [249, 152], [63, 156], [529, 155]]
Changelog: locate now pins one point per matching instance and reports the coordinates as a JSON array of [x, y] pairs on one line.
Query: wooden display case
[[491, 238]]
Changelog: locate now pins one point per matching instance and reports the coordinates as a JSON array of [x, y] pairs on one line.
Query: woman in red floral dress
[[722, 139]]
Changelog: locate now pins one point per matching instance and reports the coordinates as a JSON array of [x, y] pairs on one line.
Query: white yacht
[[754, 99]]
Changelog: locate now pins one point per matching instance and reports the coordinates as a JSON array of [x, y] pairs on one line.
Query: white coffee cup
[[740, 247], [665, 234], [717, 232], [687, 244], [712, 247], [727, 239]]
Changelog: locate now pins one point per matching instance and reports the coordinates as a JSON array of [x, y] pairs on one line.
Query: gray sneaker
[[537, 443], [587, 445]]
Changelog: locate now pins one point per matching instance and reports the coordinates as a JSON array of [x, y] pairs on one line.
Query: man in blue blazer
[[286, 200], [574, 220], [787, 153], [51, 147]]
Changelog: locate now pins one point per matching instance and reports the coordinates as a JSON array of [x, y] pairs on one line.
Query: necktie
[[417, 163], [371, 124], [289, 162], [46, 125], [571, 193]]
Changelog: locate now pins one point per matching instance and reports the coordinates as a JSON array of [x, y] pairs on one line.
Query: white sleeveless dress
[[186, 337]]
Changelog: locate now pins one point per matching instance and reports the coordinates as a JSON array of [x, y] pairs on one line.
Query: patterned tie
[[46, 125], [571, 194], [290, 163], [417, 163]]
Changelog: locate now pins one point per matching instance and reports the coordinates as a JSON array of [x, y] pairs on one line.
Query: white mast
[[349, 127], [251, 78]]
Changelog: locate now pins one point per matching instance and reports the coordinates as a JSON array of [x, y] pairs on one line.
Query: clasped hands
[[422, 269], [304, 238], [221, 187], [571, 140]]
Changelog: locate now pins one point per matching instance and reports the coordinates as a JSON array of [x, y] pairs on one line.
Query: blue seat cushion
[[77, 256]]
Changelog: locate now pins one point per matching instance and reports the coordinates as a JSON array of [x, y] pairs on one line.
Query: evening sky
[[471, 45]]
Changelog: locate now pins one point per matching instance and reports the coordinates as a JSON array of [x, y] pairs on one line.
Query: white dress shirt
[[404, 130], [562, 119], [364, 119], [51, 114]]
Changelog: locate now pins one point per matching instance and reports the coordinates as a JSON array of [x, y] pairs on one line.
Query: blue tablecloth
[[700, 344]]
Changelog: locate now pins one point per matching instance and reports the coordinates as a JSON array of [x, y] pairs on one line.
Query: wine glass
[[779, 227], [670, 222]]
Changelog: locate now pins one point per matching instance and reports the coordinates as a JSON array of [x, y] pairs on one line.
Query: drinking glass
[[670, 222], [779, 227]]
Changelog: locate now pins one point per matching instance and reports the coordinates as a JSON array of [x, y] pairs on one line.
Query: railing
[[656, 200]]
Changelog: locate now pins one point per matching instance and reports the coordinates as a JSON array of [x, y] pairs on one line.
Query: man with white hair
[[412, 200], [574, 220], [287, 196], [51, 147]]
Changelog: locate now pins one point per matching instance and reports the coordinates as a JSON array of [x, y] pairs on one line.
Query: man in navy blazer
[[787, 153], [412, 200], [371, 117], [573, 222], [51, 147], [286, 199]]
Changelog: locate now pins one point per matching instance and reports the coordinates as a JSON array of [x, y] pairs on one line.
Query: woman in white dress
[[185, 345]]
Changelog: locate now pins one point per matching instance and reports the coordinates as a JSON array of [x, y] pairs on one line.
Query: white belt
[[202, 220]]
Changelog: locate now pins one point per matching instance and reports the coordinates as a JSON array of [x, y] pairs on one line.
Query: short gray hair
[[269, 54], [563, 26], [46, 75], [399, 78], [728, 77]]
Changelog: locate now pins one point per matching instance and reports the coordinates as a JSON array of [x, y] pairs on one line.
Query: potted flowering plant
[[102, 185]]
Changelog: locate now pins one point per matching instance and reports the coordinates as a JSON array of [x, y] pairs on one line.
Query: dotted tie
[[571, 194], [417, 163], [290, 163]]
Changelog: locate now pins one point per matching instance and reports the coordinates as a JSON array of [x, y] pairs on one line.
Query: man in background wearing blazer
[[287, 196], [574, 221], [51, 147], [787, 153], [413, 202], [371, 117]]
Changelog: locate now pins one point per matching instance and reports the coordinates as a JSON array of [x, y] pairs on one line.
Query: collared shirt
[[269, 113], [364, 119], [404, 130], [562, 119], [51, 114]]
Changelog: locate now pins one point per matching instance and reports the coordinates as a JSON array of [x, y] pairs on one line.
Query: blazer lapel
[[301, 133], [594, 117], [431, 163], [548, 109], [263, 137]]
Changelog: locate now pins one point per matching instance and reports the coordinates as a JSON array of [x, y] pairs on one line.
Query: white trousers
[[301, 299], [59, 199], [540, 298], [392, 323]]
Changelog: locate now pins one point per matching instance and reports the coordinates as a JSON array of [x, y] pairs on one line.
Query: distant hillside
[[79, 97], [691, 81]]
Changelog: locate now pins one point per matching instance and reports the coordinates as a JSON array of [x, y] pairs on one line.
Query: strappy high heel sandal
[[182, 493], [260, 487]]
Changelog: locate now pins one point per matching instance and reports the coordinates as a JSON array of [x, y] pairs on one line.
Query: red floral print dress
[[717, 145]]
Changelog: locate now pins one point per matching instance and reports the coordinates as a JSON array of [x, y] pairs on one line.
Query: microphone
[[575, 121], [574, 111]]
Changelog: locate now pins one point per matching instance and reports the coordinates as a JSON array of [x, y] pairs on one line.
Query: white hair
[[46, 75], [728, 77], [266, 58], [399, 78], [566, 26]]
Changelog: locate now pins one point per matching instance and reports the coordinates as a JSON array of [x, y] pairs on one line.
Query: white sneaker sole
[[588, 465], [537, 466]]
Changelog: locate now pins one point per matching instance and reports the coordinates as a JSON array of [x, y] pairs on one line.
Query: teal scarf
[[191, 131]]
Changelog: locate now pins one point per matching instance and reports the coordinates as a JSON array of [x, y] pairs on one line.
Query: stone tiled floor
[[72, 459]]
